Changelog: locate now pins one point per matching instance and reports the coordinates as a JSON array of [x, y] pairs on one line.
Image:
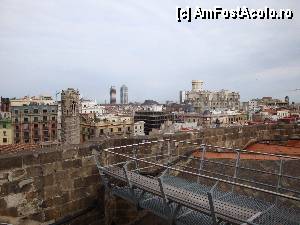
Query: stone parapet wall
[[49, 185]]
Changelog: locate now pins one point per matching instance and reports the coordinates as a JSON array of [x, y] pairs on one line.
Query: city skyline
[[50, 46]]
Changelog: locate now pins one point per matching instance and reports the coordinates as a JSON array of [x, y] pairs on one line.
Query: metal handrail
[[109, 150]]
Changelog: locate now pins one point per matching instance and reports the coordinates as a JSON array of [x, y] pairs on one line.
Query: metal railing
[[233, 179]]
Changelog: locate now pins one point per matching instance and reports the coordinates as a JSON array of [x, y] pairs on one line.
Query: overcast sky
[[49, 45]]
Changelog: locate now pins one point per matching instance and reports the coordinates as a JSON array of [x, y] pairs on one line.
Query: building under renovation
[[112, 94], [124, 94], [203, 99]]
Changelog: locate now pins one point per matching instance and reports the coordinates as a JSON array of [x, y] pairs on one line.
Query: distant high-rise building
[[182, 97], [124, 94], [113, 93]]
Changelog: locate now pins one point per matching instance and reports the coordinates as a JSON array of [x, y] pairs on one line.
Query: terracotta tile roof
[[277, 149], [291, 147], [229, 155], [17, 148]]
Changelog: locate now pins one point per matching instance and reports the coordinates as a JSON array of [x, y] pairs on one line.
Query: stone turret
[[70, 120]]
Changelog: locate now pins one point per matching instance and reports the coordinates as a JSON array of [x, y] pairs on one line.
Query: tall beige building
[[70, 118], [203, 99]]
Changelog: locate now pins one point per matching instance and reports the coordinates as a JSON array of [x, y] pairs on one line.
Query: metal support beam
[[279, 177], [201, 162], [237, 164], [125, 169], [134, 152], [212, 208], [164, 197], [172, 219]]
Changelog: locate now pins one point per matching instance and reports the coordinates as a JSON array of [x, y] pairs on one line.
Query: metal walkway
[[201, 197]]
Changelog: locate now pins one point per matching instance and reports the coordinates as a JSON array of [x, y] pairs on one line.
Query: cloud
[[50, 45]]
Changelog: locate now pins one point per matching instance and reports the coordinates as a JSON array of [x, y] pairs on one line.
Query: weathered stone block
[[51, 192], [87, 161], [10, 163], [53, 213], [50, 157], [34, 171], [44, 181], [51, 168], [86, 181], [9, 188], [31, 159], [84, 152], [75, 163], [69, 153], [12, 211]]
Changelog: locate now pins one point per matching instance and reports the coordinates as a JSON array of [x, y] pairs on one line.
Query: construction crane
[[57, 93], [297, 89]]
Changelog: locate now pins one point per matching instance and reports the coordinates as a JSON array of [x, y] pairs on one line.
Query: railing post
[[169, 151], [125, 169], [279, 175], [212, 208], [201, 162], [162, 190], [237, 164], [134, 151]]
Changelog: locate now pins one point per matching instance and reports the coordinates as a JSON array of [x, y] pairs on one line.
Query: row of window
[[35, 111], [26, 134], [26, 126], [35, 140], [35, 119]]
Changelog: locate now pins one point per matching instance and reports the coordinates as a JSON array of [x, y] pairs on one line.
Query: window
[[53, 125], [16, 112], [44, 118], [35, 111], [119, 129], [35, 125], [111, 129], [26, 120], [53, 118], [101, 131], [26, 111], [128, 128], [4, 140], [26, 134], [4, 125], [45, 110], [35, 119]]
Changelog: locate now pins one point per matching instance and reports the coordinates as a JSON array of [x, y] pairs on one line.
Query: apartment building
[[34, 122], [6, 130]]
